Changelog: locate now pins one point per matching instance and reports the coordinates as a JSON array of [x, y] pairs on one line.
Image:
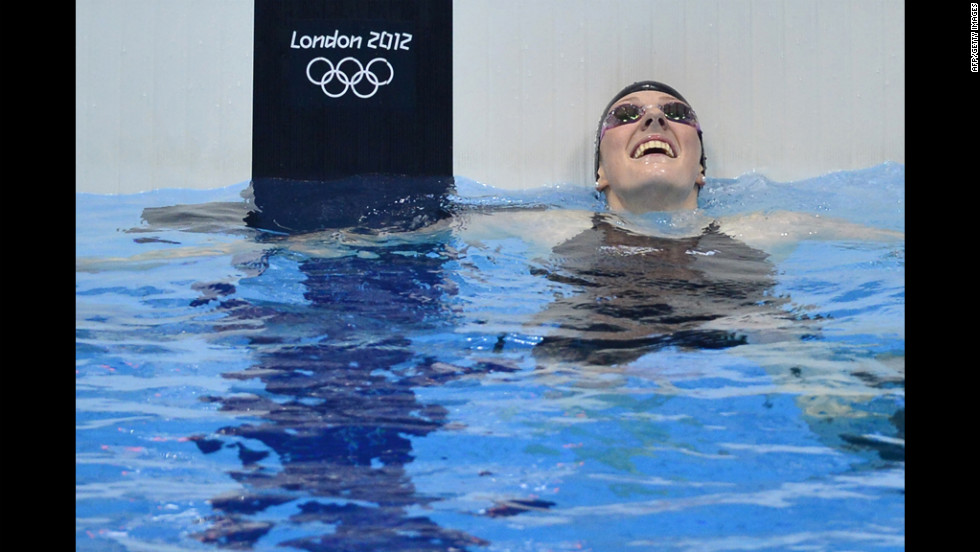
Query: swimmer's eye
[[626, 113], [620, 115], [680, 112]]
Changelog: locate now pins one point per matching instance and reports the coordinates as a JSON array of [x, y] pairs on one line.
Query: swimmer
[[649, 156], [632, 287]]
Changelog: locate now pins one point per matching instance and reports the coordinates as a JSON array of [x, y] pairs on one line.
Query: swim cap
[[653, 86]]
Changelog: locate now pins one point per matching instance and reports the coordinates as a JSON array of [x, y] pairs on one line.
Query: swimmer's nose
[[654, 117]]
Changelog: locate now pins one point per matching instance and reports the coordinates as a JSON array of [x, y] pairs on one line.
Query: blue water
[[442, 389]]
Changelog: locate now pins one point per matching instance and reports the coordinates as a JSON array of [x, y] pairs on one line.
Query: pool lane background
[[163, 90]]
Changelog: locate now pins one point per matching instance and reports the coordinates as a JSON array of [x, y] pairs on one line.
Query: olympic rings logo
[[348, 82]]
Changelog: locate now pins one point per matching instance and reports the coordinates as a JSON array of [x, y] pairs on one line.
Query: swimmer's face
[[652, 163]]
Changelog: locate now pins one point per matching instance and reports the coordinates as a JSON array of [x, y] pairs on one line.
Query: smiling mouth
[[653, 146]]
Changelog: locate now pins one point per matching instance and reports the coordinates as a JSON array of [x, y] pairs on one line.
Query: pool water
[[461, 387]]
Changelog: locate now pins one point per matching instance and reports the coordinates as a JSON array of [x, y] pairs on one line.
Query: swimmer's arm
[[243, 253], [780, 228], [541, 230]]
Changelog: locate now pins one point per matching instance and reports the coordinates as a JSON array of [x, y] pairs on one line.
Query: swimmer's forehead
[[647, 97]]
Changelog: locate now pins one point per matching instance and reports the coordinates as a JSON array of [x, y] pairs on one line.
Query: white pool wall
[[788, 88]]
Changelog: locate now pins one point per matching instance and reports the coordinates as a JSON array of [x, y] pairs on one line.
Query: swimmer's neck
[[651, 203], [666, 224]]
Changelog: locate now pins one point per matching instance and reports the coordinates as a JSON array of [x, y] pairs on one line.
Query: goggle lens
[[623, 114]]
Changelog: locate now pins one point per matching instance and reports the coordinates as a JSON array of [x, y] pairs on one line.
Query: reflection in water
[[339, 409]]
